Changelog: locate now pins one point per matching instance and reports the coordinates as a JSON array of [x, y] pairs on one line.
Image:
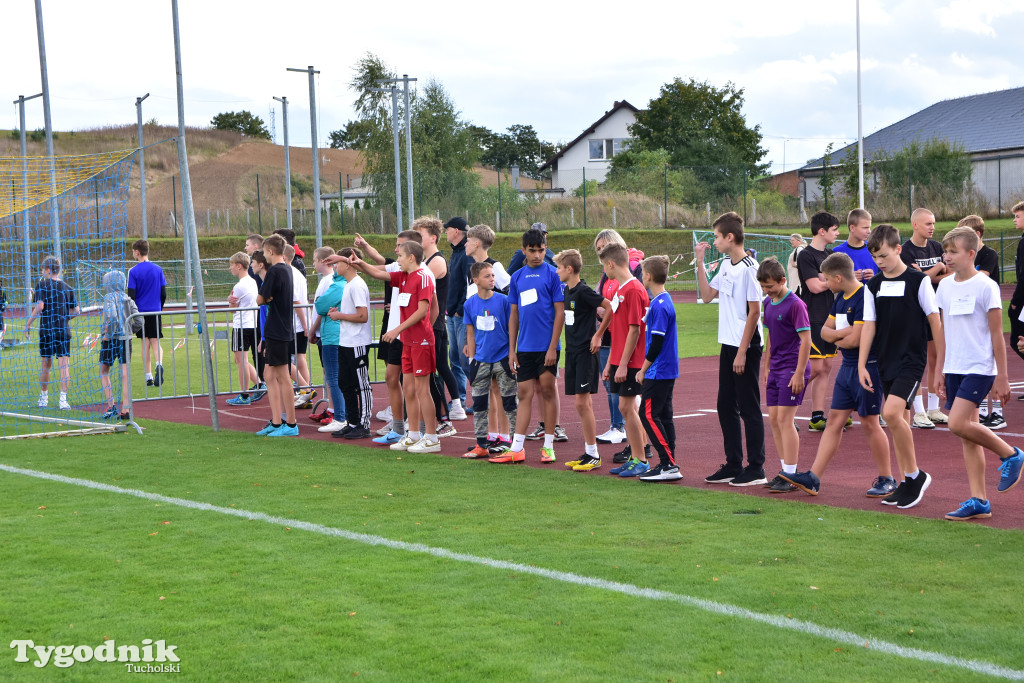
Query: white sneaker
[[938, 417], [405, 444], [63, 402], [383, 431], [332, 426], [44, 400], [385, 416], [921, 421], [613, 435], [456, 411], [300, 398], [425, 446]]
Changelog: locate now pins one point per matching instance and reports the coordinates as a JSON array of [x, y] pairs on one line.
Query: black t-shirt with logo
[[58, 301], [924, 257], [277, 291], [581, 304], [808, 263]]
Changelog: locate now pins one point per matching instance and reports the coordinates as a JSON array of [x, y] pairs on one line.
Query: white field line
[[805, 627]]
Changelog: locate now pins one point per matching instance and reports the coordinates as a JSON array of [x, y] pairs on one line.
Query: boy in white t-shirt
[[243, 328], [354, 348], [313, 333], [971, 312], [300, 369]]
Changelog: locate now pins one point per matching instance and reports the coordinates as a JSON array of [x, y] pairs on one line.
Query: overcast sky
[[557, 66]]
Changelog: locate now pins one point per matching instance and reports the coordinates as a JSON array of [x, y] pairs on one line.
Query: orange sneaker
[[477, 452], [508, 456]]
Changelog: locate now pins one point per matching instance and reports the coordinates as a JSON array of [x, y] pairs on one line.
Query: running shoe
[[995, 421], [724, 475], [613, 435], [508, 457], [922, 421], [385, 415], [267, 428], [817, 424], [560, 434], [239, 401], [498, 446], [938, 417], [634, 469], [425, 445], [882, 487], [914, 491], [587, 463], [389, 438], [537, 433], [475, 452], [1009, 471], [547, 455], [404, 443], [285, 430], [456, 411], [661, 473], [750, 476], [62, 403], [807, 482], [972, 508], [623, 456], [333, 426], [446, 429]]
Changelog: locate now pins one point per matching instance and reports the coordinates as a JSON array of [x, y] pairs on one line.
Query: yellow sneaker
[[572, 463], [587, 463]]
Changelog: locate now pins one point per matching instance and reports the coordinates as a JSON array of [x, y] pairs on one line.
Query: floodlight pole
[[54, 216], [142, 164], [860, 130], [287, 161], [316, 153], [405, 80], [191, 240], [398, 164], [24, 181]]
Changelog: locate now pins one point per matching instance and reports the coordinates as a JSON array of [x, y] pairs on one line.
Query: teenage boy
[[924, 254], [739, 333], [818, 298], [354, 339], [55, 305], [971, 312], [278, 294], [787, 350], [899, 309], [844, 328], [455, 232], [1017, 299], [486, 313], [259, 265], [148, 287], [858, 222], [986, 262], [415, 296], [629, 306], [582, 369], [330, 332], [114, 348], [429, 229], [535, 324], [254, 243], [314, 334], [243, 328], [659, 371], [304, 396]]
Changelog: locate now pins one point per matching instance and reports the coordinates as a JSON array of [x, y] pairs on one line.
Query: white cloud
[[978, 16]]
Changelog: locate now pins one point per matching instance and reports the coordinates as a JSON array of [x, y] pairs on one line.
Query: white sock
[[63, 395], [432, 438], [149, 375], [505, 437], [783, 464], [517, 442], [983, 408], [44, 393], [918, 404], [788, 469], [591, 450], [997, 407], [415, 436], [912, 475], [549, 441], [491, 436], [933, 401]]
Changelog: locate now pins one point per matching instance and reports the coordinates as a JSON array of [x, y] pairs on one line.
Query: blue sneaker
[[257, 392], [267, 428], [621, 468], [972, 508], [285, 430], [1009, 471], [389, 438], [239, 401], [635, 468]]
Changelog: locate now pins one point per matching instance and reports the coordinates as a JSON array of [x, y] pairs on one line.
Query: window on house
[[607, 148]]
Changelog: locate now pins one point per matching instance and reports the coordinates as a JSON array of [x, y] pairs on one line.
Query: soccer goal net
[[763, 246], [56, 216]]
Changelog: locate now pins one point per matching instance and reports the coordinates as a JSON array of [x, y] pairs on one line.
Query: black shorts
[[390, 352], [531, 365], [819, 347], [277, 352], [112, 351], [582, 372], [905, 385], [50, 346], [242, 338], [151, 327], [628, 388], [301, 343]]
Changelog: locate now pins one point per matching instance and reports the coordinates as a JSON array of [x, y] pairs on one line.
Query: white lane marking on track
[[806, 627], [676, 417]]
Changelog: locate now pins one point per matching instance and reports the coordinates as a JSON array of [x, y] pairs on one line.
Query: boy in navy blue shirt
[[55, 305], [534, 326], [658, 374]]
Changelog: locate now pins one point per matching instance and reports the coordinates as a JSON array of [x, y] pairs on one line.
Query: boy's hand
[[796, 383], [698, 251], [390, 336], [513, 361], [333, 258], [1001, 389], [332, 310], [620, 374], [232, 300], [740, 363], [550, 358], [939, 382], [465, 351], [865, 379], [595, 342], [360, 242], [1020, 344], [640, 378], [310, 336], [606, 374]]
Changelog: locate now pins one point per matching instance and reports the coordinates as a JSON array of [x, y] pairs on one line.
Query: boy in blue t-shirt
[[534, 327], [148, 287], [858, 221], [486, 316], [658, 374]]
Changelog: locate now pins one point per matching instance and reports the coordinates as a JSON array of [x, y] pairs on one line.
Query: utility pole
[[394, 130], [54, 215], [405, 81], [142, 164], [287, 160], [316, 152], [860, 129], [24, 182]]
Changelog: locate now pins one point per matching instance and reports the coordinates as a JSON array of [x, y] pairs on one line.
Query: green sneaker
[[547, 455]]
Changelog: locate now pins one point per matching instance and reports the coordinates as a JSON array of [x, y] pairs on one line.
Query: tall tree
[[353, 136], [519, 145], [245, 122]]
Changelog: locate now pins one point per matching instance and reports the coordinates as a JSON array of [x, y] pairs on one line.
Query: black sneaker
[[882, 487], [782, 485], [623, 456], [915, 490], [808, 481], [356, 433], [340, 434], [150, 382], [995, 421], [894, 497], [158, 375], [661, 473], [725, 474], [749, 477], [773, 482], [537, 434]]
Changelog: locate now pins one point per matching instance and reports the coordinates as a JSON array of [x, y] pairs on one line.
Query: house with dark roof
[[990, 127], [589, 156]]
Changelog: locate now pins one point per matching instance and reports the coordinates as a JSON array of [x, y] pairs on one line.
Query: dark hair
[[884, 235], [259, 257], [616, 253], [350, 251], [141, 246], [771, 270], [275, 244], [730, 223], [657, 268], [288, 234], [477, 267], [838, 263], [823, 220], [410, 235], [534, 238], [414, 249], [52, 264]]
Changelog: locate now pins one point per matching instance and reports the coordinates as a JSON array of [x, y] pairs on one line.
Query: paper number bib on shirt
[[570, 318], [528, 297], [403, 299], [962, 305], [892, 288], [485, 323], [842, 321]]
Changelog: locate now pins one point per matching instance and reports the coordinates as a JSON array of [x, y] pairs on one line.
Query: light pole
[[54, 215], [287, 160], [860, 130], [142, 164], [316, 152]]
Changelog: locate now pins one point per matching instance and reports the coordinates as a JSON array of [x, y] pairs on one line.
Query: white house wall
[[576, 160]]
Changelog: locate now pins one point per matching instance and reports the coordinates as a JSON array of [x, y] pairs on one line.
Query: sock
[[918, 404], [415, 436], [482, 442], [517, 442], [933, 401], [912, 475], [591, 450], [398, 427], [149, 375], [549, 441], [44, 394], [983, 409], [432, 438], [245, 395], [997, 407], [788, 469], [816, 414], [782, 463], [505, 437], [492, 436], [290, 424]]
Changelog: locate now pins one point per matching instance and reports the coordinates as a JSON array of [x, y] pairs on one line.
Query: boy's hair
[[657, 268], [411, 248], [323, 252], [858, 215], [838, 263], [884, 235], [483, 234], [350, 251], [730, 223], [141, 246], [410, 235], [289, 253], [609, 236], [962, 235], [570, 258], [534, 238], [241, 258], [1019, 206], [822, 220], [771, 270], [288, 234], [52, 264], [275, 244], [975, 223], [478, 268], [428, 223], [260, 258], [257, 239], [616, 253]]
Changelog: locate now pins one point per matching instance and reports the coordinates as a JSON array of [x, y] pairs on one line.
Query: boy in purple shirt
[[786, 365]]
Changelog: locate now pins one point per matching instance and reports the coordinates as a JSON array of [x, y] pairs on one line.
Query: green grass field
[[249, 599]]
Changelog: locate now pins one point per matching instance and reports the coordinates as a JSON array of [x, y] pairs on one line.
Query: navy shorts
[[848, 394], [113, 351], [50, 346], [777, 392], [973, 388]]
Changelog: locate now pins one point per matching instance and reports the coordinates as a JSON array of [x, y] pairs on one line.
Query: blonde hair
[[609, 237], [964, 236], [570, 258], [483, 234], [241, 258], [323, 252]]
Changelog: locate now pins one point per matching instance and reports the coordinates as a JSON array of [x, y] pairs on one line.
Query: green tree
[[519, 145], [937, 164], [353, 136], [245, 122], [648, 172]]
